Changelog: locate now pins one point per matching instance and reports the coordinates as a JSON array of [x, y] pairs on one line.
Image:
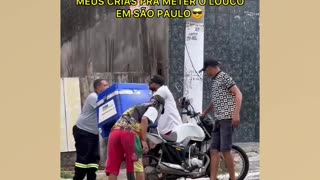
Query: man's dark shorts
[[222, 135]]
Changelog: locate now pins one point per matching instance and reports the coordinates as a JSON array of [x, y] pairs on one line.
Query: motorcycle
[[186, 151]]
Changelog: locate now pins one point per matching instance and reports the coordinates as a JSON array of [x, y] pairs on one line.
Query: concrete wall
[[232, 35], [176, 55], [93, 40]]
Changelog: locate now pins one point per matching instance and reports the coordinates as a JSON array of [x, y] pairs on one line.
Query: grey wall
[[231, 35], [177, 28], [94, 40]]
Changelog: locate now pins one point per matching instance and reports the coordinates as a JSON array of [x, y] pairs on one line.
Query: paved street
[[252, 150]]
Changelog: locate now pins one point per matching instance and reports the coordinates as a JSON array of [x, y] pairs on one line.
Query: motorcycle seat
[[172, 137]]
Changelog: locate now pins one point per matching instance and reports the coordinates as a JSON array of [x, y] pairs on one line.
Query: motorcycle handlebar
[[193, 114]]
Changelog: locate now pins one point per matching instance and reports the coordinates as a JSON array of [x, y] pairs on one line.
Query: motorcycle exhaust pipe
[[179, 171], [203, 169]]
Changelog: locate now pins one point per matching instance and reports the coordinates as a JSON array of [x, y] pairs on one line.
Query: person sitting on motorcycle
[[171, 117], [127, 135]]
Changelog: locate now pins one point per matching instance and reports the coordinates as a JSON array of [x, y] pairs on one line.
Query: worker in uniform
[[86, 135]]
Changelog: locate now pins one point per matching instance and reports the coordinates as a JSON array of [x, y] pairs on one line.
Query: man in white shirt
[[171, 117]]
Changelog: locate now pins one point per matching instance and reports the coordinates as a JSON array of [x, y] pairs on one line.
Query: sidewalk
[[252, 150]]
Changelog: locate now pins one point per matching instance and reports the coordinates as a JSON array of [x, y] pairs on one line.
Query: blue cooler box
[[115, 100]]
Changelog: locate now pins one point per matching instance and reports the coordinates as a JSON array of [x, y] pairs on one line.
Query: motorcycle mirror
[[180, 99], [185, 101], [180, 102]]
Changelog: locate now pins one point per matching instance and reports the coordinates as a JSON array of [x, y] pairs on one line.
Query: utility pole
[[193, 59]]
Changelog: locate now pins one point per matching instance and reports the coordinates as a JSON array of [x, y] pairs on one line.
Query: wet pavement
[[252, 150]]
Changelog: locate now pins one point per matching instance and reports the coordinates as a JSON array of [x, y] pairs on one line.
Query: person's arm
[[144, 127], [92, 100], [238, 98], [230, 84], [149, 116], [238, 102], [143, 134], [209, 109]]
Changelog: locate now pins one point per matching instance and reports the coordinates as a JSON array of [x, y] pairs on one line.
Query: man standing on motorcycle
[[127, 135], [171, 117], [226, 104]]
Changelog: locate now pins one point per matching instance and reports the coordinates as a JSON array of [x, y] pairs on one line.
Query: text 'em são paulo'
[[167, 13]]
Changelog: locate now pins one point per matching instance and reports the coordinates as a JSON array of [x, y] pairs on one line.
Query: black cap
[[157, 79], [209, 62]]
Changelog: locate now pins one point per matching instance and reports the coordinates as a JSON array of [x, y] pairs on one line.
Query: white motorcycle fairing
[[189, 130], [184, 131]]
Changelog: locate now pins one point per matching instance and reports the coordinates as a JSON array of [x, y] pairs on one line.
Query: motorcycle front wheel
[[241, 164]]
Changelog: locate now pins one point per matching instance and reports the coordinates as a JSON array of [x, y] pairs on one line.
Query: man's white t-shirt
[[171, 117]]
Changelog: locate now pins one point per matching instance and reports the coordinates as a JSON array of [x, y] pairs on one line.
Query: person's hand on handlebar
[[209, 109], [202, 116]]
